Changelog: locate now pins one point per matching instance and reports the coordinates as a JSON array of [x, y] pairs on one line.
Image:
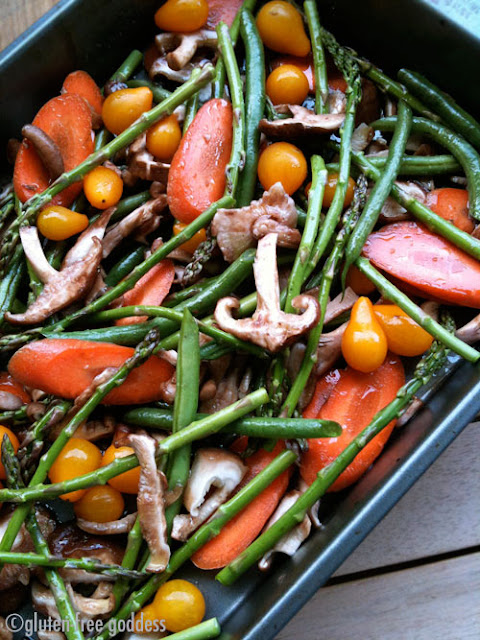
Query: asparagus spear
[[319, 62], [428, 365]]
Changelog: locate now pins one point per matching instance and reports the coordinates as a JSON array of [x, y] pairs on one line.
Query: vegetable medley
[[214, 271]]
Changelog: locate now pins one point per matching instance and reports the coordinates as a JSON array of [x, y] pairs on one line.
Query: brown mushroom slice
[[302, 123], [46, 148], [9, 401], [98, 606], [269, 327], [179, 48], [113, 527], [146, 213], [329, 349], [143, 165], [392, 211], [470, 332], [5, 631], [291, 541], [75, 278], [361, 137], [237, 230], [215, 473], [150, 502]]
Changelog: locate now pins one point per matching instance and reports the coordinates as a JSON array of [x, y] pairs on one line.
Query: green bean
[[319, 62], [457, 146], [185, 407], [310, 232], [128, 66], [179, 296], [159, 92], [254, 105], [415, 312], [381, 189], [443, 104], [127, 205], [256, 427], [10, 284], [101, 139], [237, 156], [124, 266], [414, 165], [191, 111], [436, 223]]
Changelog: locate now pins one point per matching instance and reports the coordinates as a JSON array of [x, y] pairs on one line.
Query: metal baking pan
[[97, 36]]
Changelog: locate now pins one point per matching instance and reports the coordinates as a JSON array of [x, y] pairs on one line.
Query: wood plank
[[17, 15], [436, 601], [434, 517]]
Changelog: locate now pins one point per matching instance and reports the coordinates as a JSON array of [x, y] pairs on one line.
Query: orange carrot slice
[[222, 11], [246, 525], [197, 174], [67, 120], [431, 264], [151, 289], [355, 399], [65, 368], [451, 204], [82, 84]]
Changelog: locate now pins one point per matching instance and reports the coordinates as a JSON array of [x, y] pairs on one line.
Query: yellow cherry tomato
[[287, 84], [404, 336], [126, 482], [180, 604], [190, 245], [182, 15], [282, 162], [281, 28], [5, 431], [163, 138], [123, 107], [331, 187], [359, 282], [59, 223], [364, 344], [147, 621], [103, 188], [78, 456], [100, 504]]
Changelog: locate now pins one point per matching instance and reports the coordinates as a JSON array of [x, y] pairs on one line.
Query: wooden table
[[417, 575]]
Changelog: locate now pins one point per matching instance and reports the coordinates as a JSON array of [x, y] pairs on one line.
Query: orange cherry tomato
[[126, 482], [182, 15], [359, 282], [281, 28], [180, 604], [100, 504], [163, 138], [304, 64], [59, 223], [78, 456], [331, 187], [364, 344], [5, 431], [103, 187], [123, 107], [282, 162], [404, 336], [287, 84], [190, 245]]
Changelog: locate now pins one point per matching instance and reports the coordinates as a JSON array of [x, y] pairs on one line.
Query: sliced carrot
[[66, 368], [10, 385], [246, 525], [355, 399], [431, 264], [451, 204], [222, 11], [151, 289], [67, 120], [82, 84], [197, 174]]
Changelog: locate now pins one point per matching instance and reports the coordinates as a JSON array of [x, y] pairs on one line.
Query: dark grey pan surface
[[96, 36]]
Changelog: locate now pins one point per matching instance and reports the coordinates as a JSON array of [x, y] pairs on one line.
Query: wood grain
[[440, 601], [17, 15]]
